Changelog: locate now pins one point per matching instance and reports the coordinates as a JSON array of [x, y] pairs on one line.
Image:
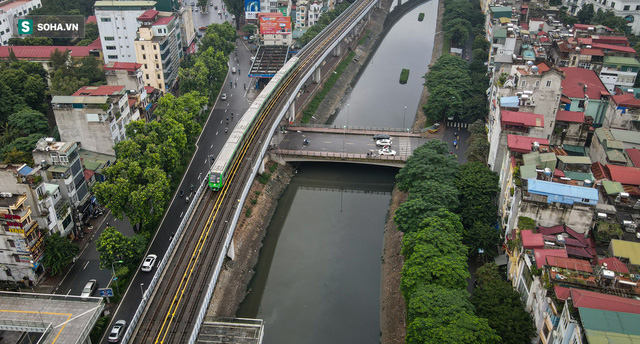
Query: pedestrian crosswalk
[[404, 145], [452, 124]]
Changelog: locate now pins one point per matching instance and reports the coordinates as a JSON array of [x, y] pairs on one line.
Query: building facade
[[10, 12]]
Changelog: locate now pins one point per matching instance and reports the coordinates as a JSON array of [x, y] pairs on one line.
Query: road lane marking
[[85, 265], [182, 213]]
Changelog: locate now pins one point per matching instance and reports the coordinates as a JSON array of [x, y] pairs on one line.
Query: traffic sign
[[106, 292]]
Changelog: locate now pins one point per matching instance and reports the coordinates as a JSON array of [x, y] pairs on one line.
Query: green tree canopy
[[502, 306], [27, 121], [431, 160], [437, 302], [478, 188], [113, 246], [460, 328], [586, 13], [424, 201], [58, 253], [478, 149]]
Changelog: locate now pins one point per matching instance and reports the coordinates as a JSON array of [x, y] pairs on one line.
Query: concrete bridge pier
[[379, 4], [337, 51], [317, 75], [265, 160], [277, 158], [292, 112]]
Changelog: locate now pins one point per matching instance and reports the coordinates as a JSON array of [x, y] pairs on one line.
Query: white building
[[118, 25], [627, 9], [95, 116], [10, 11]]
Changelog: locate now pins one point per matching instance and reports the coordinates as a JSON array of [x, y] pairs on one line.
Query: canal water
[[318, 277], [378, 99]]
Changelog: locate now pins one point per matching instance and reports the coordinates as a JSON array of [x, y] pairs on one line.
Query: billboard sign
[[272, 25], [251, 8]]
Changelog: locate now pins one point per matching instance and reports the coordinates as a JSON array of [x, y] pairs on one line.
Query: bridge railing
[[341, 155], [363, 128]]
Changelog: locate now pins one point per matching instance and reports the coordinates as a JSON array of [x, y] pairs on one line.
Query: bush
[[273, 168], [404, 76], [254, 201], [99, 328], [264, 178], [526, 223], [247, 213], [258, 193], [421, 17]]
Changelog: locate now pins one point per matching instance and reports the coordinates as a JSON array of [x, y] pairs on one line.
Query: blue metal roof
[[563, 193], [25, 170], [509, 101]]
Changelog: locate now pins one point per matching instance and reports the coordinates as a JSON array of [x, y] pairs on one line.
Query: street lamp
[[113, 272], [404, 118], [348, 112], [141, 289], [344, 136]]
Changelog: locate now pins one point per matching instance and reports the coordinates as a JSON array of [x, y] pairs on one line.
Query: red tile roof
[[523, 144], [634, 156], [542, 254], [591, 299], [626, 99], [587, 26], [558, 229], [149, 89], [569, 263], [584, 40], [128, 66], [591, 51], [624, 174], [91, 19], [562, 293], [43, 52], [614, 264], [98, 90], [88, 174], [531, 239], [570, 116], [148, 15], [613, 47], [611, 40], [578, 252], [575, 80], [162, 21], [558, 173], [523, 119]]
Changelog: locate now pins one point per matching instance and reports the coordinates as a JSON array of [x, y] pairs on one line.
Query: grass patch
[[264, 178], [404, 76], [366, 34], [272, 168], [247, 213], [421, 17], [254, 201], [313, 105], [258, 193]]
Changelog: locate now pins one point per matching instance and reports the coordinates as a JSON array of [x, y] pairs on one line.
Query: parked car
[[117, 331], [149, 262], [434, 128], [377, 137], [89, 289], [383, 142], [223, 96], [203, 28], [387, 151]]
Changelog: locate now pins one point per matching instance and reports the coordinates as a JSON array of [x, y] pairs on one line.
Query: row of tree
[[324, 20], [460, 19], [206, 70]]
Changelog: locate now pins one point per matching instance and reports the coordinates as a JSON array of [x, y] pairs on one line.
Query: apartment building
[[10, 12]]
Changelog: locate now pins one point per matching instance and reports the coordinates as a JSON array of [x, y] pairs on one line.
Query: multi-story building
[[50, 209], [619, 72], [94, 116], [159, 49], [10, 12], [627, 9], [42, 54], [118, 26], [129, 75], [187, 28], [21, 241]]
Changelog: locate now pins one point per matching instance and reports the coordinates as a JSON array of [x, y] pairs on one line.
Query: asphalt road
[[349, 142], [201, 19]]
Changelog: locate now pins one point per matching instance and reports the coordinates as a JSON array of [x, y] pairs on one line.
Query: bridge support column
[[265, 160], [231, 253], [317, 75], [292, 112], [337, 51], [399, 3], [379, 4]]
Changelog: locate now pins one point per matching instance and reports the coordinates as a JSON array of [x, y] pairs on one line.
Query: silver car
[[149, 262], [117, 331], [89, 289]]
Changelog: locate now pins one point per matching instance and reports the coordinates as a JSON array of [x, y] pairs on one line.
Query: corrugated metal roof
[[626, 135], [614, 155], [568, 159], [620, 60], [579, 175], [124, 3], [609, 327], [79, 100], [528, 171], [626, 249], [550, 188]]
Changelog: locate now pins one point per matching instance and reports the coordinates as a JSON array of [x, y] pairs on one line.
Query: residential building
[[49, 208], [284, 7], [302, 9], [619, 72], [93, 164], [605, 149], [10, 12], [21, 241], [583, 91], [129, 74], [627, 9], [94, 116], [623, 112], [118, 26], [187, 28], [159, 49], [42, 53], [167, 5], [275, 30], [572, 128]]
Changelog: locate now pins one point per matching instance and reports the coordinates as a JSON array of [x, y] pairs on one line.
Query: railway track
[[171, 314]]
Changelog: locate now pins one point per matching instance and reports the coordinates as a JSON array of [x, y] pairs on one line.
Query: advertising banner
[[271, 25], [251, 8]]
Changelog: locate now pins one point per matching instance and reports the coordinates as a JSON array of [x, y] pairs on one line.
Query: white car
[[149, 262], [233, 70], [89, 289], [219, 12], [223, 96], [387, 152], [383, 142]]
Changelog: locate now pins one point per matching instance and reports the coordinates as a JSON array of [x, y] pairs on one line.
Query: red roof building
[[562, 293], [531, 240], [43, 52], [615, 40], [590, 299], [91, 19], [626, 100], [103, 90], [573, 85], [128, 66], [614, 264], [163, 21], [634, 156], [523, 144], [542, 254], [521, 119], [148, 15], [613, 47], [570, 116], [570, 263], [624, 174]]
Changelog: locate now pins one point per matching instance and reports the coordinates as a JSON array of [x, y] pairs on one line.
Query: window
[[537, 84], [158, 75], [111, 47], [144, 56], [105, 20], [113, 57], [626, 8], [155, 47], [107, 38], [145, 66], [637, 7], [147, 76], [157, 66], [523, 83], [548, 83], [613, 4], [142, 47], [156, 55], [11, 243]]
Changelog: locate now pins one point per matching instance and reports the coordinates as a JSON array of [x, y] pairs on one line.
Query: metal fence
[[341, 155], [357, 127]]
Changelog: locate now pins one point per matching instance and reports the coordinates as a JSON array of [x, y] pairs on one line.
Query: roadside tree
[[58, 253]]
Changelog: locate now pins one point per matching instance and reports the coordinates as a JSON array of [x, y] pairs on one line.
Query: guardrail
[[146, 296], [341, 156], [363, 128]]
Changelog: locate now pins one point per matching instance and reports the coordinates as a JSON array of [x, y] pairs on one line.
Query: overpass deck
[[353, 130]]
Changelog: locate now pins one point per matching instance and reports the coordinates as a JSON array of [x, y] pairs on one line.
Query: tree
[[586, 14], [443, 220], [480, 43], [460, 328], [114, 246], [478, 150], [478, 187], [27, 121], [481, 236], [91, 31], [431, 160], [502, 306], [64, 85], [58, 253], [90, 68], [437, 302], [424, 201], [249, 29], [30, 41]]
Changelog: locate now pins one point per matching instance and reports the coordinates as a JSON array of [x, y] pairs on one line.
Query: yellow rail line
[[195, 256]]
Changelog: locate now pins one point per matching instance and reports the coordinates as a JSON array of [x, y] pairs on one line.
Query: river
[[318, 276]]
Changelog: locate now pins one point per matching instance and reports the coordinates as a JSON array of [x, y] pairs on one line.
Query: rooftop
[[128, 66], [163, 21], [626, 100], [627, 136], [626, 249], [525, 119], [108, 3], [43, 52], [621, 60], [634, 156], [531, 240], [6, 7], [573, 85], [563, 193], [104, 90], [569, 263], [624, 174], [542, 254], [570, 116], [590, 299], [148, 15], [603, 326], [613, 47], [523, 144]]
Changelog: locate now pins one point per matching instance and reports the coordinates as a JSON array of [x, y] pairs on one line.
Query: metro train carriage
[[220, 169]]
